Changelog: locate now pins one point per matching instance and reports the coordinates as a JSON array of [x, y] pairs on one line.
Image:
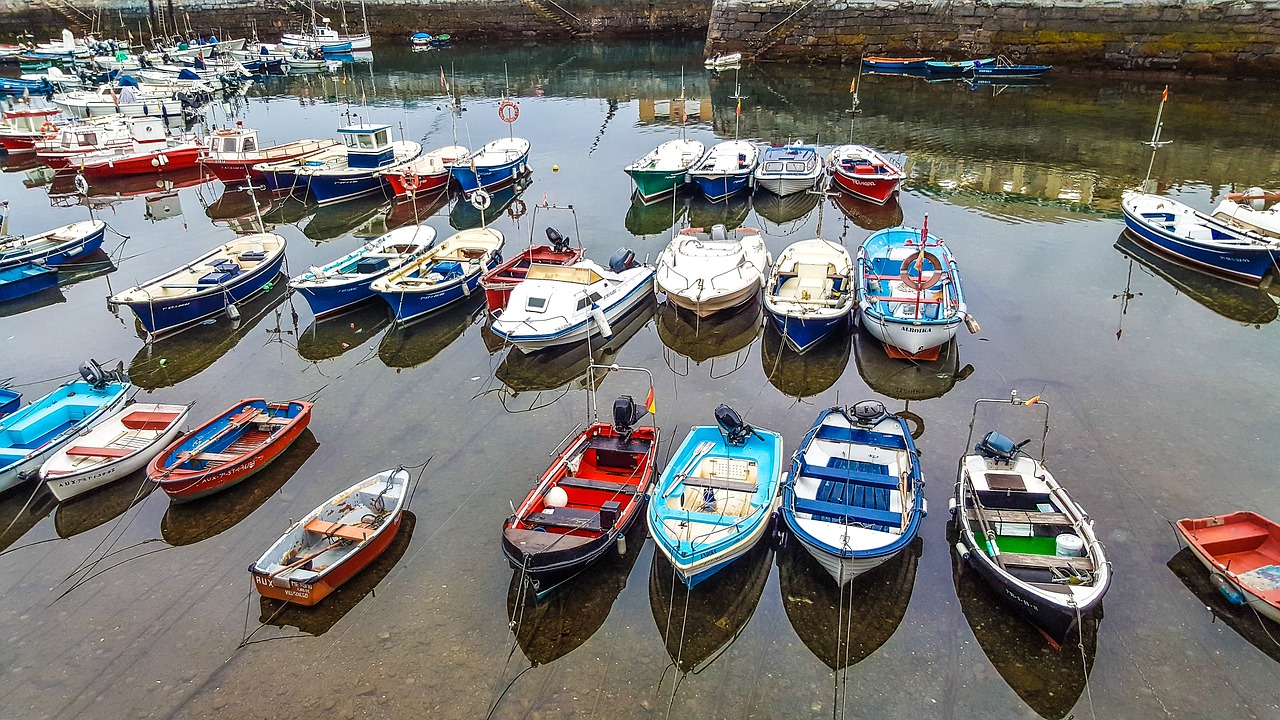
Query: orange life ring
[[517, 209], [924, 279], [508, 111], [410, 180], [50, 129]]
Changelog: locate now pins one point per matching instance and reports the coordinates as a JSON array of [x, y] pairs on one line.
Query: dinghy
[[565, 304], [1192, 237], [10, 400], [335, 541], [31, 435], [113, 448], [864, 172], [809, 294], [1249, 210], [500, 281], [664, 169], [23, 280], [1024, 534], [717, 495], [344, 283], [445, 274], [727, 61], [726, 169], [789, 169], [493, 166], [1241, 551], [909, 293], [423, 175], [592, 493], [854, 495], [707, 272], [207, 286], [229, 448], [52, 247]]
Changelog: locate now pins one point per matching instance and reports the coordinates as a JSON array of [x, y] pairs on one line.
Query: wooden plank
[[721, 484], [1022, 516], [148, 420], [214, 457], [85, 451], [603, 485], [1046, 562], [339, 530], [852, 477]]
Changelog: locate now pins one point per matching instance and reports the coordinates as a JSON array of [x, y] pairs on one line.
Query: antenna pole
[[1155, 143]]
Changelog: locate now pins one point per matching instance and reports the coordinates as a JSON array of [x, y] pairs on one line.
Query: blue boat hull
[[802, 334], [488, 177], [26, 280], [1240, 263], [328, 301], [165, 317], [30, 436], [719, 188], [10, 400], [410, 307], [331, 189], [281, 180], [60, 254]]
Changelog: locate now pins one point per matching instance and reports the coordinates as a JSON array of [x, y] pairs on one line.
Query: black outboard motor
[[735, 430], [869, 412], [625, 415], [93, 373], [622, 260], [999, 447], [559, 243]]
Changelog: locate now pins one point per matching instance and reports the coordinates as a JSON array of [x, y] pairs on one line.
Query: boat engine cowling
[[999, 447], [868, 412], [625, 415], [622, 260], [733, 427], [559, 243], [93, 373]]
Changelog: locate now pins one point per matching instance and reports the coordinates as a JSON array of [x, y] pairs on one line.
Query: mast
[[1155, 143]]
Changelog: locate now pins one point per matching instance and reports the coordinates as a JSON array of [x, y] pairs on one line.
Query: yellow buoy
[[555, 168]]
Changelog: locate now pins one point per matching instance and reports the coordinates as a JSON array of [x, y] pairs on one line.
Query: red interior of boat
[[519, 267], [1240, 542], [148, 420]]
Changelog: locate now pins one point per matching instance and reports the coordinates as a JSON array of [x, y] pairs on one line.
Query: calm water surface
[[1163, 385]]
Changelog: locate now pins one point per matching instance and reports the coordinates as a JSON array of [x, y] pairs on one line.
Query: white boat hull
[[586, 327], [842, 570], [1263, 607], [65, 487], [709, 304], [29, 468], [787, 185], [909, 337]]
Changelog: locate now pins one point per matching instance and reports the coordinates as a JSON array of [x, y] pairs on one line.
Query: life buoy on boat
[[517, 209], [925, 278], [50, 129], [508, 111], [410, 180], [481, 200]]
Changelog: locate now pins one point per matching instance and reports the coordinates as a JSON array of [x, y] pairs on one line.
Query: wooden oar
[[305, 559], [186, 455]]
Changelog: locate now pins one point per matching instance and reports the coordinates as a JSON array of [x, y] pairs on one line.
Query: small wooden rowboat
[[113, 448], [1242, 553], [333, 542], [229, 448]]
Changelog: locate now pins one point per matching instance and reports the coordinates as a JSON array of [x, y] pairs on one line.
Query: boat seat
[[1046, 562], [602, 485], [853, 513], [858, 436], [1021, 517], [567, 517], [104, 452], [813, 283], [849, 476], [721, 484], [341, 530], [148, 420], [213, 457]]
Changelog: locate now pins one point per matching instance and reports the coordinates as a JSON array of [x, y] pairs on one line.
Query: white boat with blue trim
[[808, 294], [446, 274], [356, 174]]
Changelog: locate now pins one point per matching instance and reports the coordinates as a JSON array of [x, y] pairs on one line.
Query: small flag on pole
[[650, 404], [853, 85], [1165, 95], [739, 110], [443, 85]]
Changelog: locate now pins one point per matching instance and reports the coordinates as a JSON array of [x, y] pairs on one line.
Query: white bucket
[[1068, 545]]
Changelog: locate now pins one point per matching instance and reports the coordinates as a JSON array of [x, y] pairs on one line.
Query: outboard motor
[[622, 260], [999, 447], [625, 415], [93, 373], [869, 412], [733, 427], [559, 243]]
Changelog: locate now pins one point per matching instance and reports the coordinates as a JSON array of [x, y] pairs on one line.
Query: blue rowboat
[[1197, 239], [716, 497], [1002, 68], [52, 247], [29, 436], [343, 284], [369, 148], [726, 169], [853, 496], [809, 295], [892, 64], [24, 280], [10, 400], [18, 86], [210, 285], [956, 68], [337, 48], [442, 276], [495, 165]]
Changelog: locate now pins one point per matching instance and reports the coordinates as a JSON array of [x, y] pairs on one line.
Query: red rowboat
[[229, 448], [864, 172], [1242, 553], [333, 542], [233, 152], [424, 174], [500, 281], [166, 157], [23, 127]]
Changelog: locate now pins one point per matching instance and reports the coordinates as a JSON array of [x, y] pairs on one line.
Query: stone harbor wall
[[1209, 36]]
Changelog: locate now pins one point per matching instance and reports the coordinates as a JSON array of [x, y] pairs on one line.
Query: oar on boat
[[237, 422]]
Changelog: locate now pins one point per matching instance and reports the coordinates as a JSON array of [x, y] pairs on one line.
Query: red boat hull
[[867, 187], [500, 281], [143, 164], [426, 184], [17, 144], [301, 593]]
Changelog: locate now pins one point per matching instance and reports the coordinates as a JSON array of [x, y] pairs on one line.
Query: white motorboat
[[707, 272]]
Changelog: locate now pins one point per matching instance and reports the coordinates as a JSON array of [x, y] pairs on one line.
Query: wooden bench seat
[[567, 517], [265, 419], [858, 436], [85, 451], [852, 477], [854, 513], [603, 485], [1046, 562], [1021, 516], [213, 457], [344, 531], [721, 484], [148, 420]]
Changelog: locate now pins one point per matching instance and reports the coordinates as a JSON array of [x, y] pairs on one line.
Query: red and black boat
[[593, 491], [501, 280], [229, 448]]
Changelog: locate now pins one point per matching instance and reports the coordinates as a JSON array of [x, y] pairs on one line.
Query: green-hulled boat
[[665, 169]]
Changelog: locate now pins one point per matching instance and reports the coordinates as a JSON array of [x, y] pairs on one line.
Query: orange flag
[[1165, 96], [739, 111], [853, 85], [650, 404]]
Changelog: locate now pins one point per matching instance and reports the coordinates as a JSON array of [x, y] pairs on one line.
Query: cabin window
[[795, 167], [228, 145], [89, 139], [536, 304], [349, 140], [594, 297], [366, 142], [773, 167], [380, 138], [583, 303], [250, 145]]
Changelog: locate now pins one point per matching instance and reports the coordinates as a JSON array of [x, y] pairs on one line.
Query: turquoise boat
[[665, 169], [29, 436], [717, 496]]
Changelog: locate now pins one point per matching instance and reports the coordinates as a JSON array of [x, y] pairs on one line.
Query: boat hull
[[331, 189], [57, 254], [803, 333], [783, 186], [876, 190], [427, 184], [654, 185], [410, 307], [1248, 265], [910, 337], [68, 486], [169, 315], [719, 187], [159, 162], [26, 280], [581, 330], [311, 593], [489, 177]]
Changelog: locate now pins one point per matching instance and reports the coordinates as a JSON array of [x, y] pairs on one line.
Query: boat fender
[[1228, 590], [1257, 197], [951, 505], [622, 544], [601, 322], [962, 551], [557, 497], [82, 185], [233, 313]]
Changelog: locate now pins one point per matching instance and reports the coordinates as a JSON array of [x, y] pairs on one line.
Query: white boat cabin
[[368, 146]]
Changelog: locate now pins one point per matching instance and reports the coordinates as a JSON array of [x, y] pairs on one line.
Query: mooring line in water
[[132, 510], [245, 637], [27, 504], [1084, 660], [684, 625], [521, 597], [87, 578]]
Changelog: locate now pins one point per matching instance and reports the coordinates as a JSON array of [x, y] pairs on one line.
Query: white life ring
[[481, 200]]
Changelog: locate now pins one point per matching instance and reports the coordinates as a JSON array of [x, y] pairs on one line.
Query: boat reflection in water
[[190, 522], [408, 347], [327, 339], [320, 618], [334, 221], [170, 360], [874, 603], [868, 215], [560, 623], [915, 380], [1049, 681], [23, 509], [98, 507], [235, 209], [730, 212], [95, 264], [108, 191], [1260, 632], [804, 375], [417, 210], [556, 367], [698, 339], [783, 209], [465, 216], [658, 217], [1244, 304]]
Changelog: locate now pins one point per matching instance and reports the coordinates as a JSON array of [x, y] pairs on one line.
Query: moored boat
[[229, 448], [23, 127], [23, 280], [879, 62], [355, 174], [322, 36], [789, 169], [1001, 68], [725, 169], [1249, 209], [707, 272], [497, 164], [173, 155], [52, 247], [233, 152], [865, 172], [953, 68], [344, 283], [282, 175], [808, 295], [1024, 534], [332, 543], [665, 168], [10, 400], [501, 280], [725, 61], [207, 286], [62, 148], [1241, 551], [716, 497], [113, 448], [445, 274], [427, 173], [854, 495]]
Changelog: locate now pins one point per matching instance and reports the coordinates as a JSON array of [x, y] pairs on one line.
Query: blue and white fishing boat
[[210, 285], [53, 247], [953, 68], [446, 274], [909, 293], [343, 284], [726, 169], [29, 436], [17, 86], [355, 174], [716, 496], [1002, 68], [24, 280], [809, 293], [282, 175], [854, 494], [1197, 239], [495, 165], [789, 169]]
